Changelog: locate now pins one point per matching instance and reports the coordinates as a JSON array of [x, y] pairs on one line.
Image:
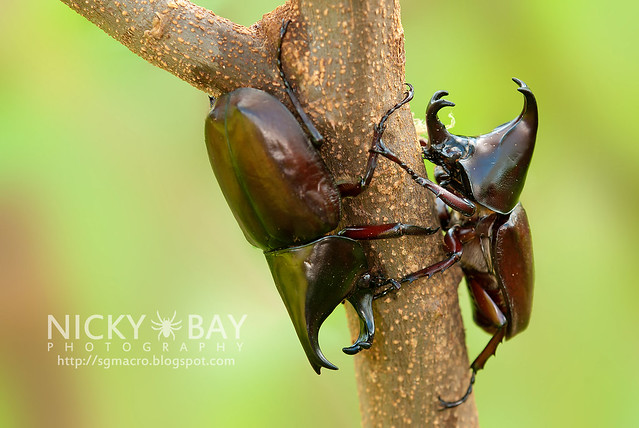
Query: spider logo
[[166, 326]]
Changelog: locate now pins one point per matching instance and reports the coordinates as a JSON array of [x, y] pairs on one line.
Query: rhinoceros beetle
[[286, 203], [481, 179]]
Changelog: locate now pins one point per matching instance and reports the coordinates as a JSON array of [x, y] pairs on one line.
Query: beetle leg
[[394, 286], [477, 365], [450, 404], [489, 350], [457, 203], [381, 126], [384, 231], [487, 314], [315, 135], [362, 301], [453, 245], [354, 189], [443, 214]]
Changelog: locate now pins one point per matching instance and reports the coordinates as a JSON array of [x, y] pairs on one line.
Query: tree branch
[[210, 52], [346, 63]]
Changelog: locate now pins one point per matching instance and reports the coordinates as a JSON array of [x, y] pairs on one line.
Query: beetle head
[[443, 148], [491, 168]]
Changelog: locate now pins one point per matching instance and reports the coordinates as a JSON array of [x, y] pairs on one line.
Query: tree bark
[[346, 63]]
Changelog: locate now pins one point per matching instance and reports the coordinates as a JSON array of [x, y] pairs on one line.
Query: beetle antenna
[[316, 137]]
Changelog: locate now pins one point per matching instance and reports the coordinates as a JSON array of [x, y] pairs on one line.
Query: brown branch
[[208, 51], [346, 61]]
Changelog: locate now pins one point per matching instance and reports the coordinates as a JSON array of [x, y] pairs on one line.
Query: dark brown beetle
[[481, 178], [286, 203]]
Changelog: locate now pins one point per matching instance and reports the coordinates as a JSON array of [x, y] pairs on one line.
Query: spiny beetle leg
[[457, 203], [354, 189], [489, 350], [384, 231], [490, 314], [315, 135], [477, 365], [454, 247]]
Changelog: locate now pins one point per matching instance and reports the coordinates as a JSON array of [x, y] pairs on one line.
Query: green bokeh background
[[108, 206]]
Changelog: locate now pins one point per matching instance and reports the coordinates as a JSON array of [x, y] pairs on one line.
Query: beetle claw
[[395, 285], [408, 96], [351, 350], [450, 404], [362, 301], [356, 347], [284, 27]]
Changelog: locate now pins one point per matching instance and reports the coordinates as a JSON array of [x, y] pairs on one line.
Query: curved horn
[[529, 112], [437, 132], [313, 279]]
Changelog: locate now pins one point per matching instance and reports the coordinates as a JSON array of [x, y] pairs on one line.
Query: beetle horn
[[307, 322], [497, 169], [529, 112], [313, 279], [437, 132], [304, 306]]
